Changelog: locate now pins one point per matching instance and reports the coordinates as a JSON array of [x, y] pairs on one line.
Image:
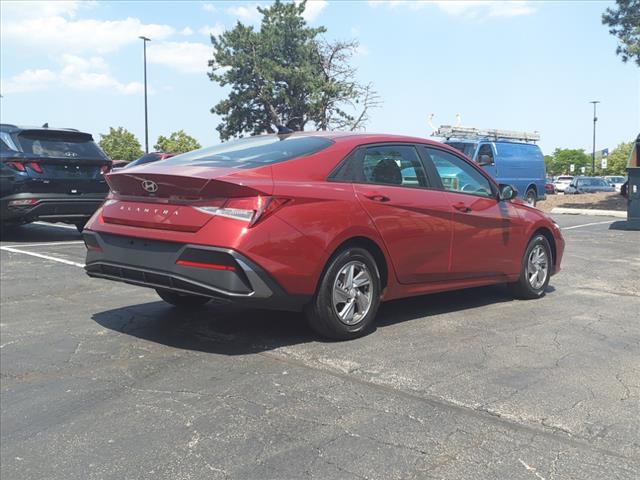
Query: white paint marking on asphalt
[[47, 224], [44, 244], [587, 225], [46, 257]]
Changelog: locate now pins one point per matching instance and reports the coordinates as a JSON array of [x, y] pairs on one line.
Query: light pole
[[593, 152], [146, 118]]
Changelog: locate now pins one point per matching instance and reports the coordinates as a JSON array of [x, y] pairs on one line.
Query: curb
[[586, 211]]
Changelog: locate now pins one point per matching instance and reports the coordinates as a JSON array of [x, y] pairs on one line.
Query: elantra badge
[[150, 186]]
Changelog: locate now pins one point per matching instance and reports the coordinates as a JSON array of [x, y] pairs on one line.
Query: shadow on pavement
[[33, 233], [235, 331]]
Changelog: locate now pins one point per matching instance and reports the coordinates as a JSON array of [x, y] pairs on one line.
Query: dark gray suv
[[50, 174]]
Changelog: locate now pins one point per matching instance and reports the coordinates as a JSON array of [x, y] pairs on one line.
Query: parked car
[[50, 174], [549, 187], [616, 181], [562, 182], [332, 223], [588, 185], [149, 158], [518, 164]]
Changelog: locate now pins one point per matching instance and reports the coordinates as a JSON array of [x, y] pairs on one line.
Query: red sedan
[[328, 223]]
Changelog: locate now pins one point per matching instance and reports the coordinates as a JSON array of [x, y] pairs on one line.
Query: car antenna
[[282, 130], [46, 125]]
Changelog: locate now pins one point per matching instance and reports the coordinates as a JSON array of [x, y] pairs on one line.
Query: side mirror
[[507, 192], [484, 159]]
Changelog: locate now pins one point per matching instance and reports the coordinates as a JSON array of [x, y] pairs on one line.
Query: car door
[[487, 233], [414, 220]]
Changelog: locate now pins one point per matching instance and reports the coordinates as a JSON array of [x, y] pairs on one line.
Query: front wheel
[[535, 271], [185, 300], [348, 296], [530, 197]]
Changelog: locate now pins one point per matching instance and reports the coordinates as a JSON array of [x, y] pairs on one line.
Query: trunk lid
[[152, 196]]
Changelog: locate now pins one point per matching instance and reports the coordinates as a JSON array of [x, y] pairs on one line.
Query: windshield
[[60, 145], [467, 148], [253, 151]]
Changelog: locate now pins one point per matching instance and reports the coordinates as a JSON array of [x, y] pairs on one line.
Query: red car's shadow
[[234, 331]]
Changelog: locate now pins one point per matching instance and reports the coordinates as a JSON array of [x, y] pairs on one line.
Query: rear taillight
[[24, 202], [250, 210], [35, 166], [104, 169], [16, 165]]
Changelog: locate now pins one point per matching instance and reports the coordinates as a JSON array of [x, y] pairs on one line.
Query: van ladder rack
[[447, 131]]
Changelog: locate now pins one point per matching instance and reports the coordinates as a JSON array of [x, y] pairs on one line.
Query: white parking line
[[588, 224], [46, 257], [47, 224], [44, 244]]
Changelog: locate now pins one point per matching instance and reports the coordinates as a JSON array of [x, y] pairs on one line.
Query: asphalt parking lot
[[103, 380]]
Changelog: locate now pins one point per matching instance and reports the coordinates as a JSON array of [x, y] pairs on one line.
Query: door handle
[[461, 207], [378, 198]]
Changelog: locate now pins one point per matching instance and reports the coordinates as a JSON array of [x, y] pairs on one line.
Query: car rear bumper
[[220, 273], [55, 207]]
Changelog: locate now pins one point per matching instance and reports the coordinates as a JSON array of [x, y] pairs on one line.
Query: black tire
[[184, 300], [523, 288], [321, 312], [530, 197]]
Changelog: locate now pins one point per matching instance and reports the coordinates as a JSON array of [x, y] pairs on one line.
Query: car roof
[[10, 128]]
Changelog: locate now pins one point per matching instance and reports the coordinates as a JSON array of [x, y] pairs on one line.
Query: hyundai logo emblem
[[150, 186]]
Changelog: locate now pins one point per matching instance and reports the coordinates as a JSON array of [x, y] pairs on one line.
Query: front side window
[[485, 149], [457, 175], [393, 165]]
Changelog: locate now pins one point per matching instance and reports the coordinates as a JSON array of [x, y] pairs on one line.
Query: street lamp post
[[593, 152], [146, 118]]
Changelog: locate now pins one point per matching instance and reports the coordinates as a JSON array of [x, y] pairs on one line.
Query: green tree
[[617, 159], [120, 144], [177, 142], [562, 158], [624, 23], [286, 74]]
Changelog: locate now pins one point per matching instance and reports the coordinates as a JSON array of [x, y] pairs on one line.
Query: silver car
[[588, 185]]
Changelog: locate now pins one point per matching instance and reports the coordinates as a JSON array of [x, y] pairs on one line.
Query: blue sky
[[516, 65]]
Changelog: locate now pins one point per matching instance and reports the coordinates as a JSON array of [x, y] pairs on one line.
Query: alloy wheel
[[537, 267], [351, 294]]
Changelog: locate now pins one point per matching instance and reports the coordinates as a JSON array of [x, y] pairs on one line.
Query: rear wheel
[[535, 271], [530, 197], [348, 296], [186, 300]]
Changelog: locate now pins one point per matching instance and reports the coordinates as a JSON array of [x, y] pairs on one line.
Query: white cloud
[[77, 73], [217, 29], [56, 34], [209, 7], [313, 9], [466, 8], [186, 31], [43, 8], [247, 14], [186, 57], [28, 81]]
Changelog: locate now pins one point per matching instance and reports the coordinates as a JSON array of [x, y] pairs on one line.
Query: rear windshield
[[148, 158], [60, 145], [253, 151]]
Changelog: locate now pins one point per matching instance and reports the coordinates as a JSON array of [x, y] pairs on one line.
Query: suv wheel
[[182, 299], [530, 197], [348, 296], [535, 271]]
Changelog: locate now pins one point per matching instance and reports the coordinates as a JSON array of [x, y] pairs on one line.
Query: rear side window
[[393, 165], [253, 151], [60, 145]]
